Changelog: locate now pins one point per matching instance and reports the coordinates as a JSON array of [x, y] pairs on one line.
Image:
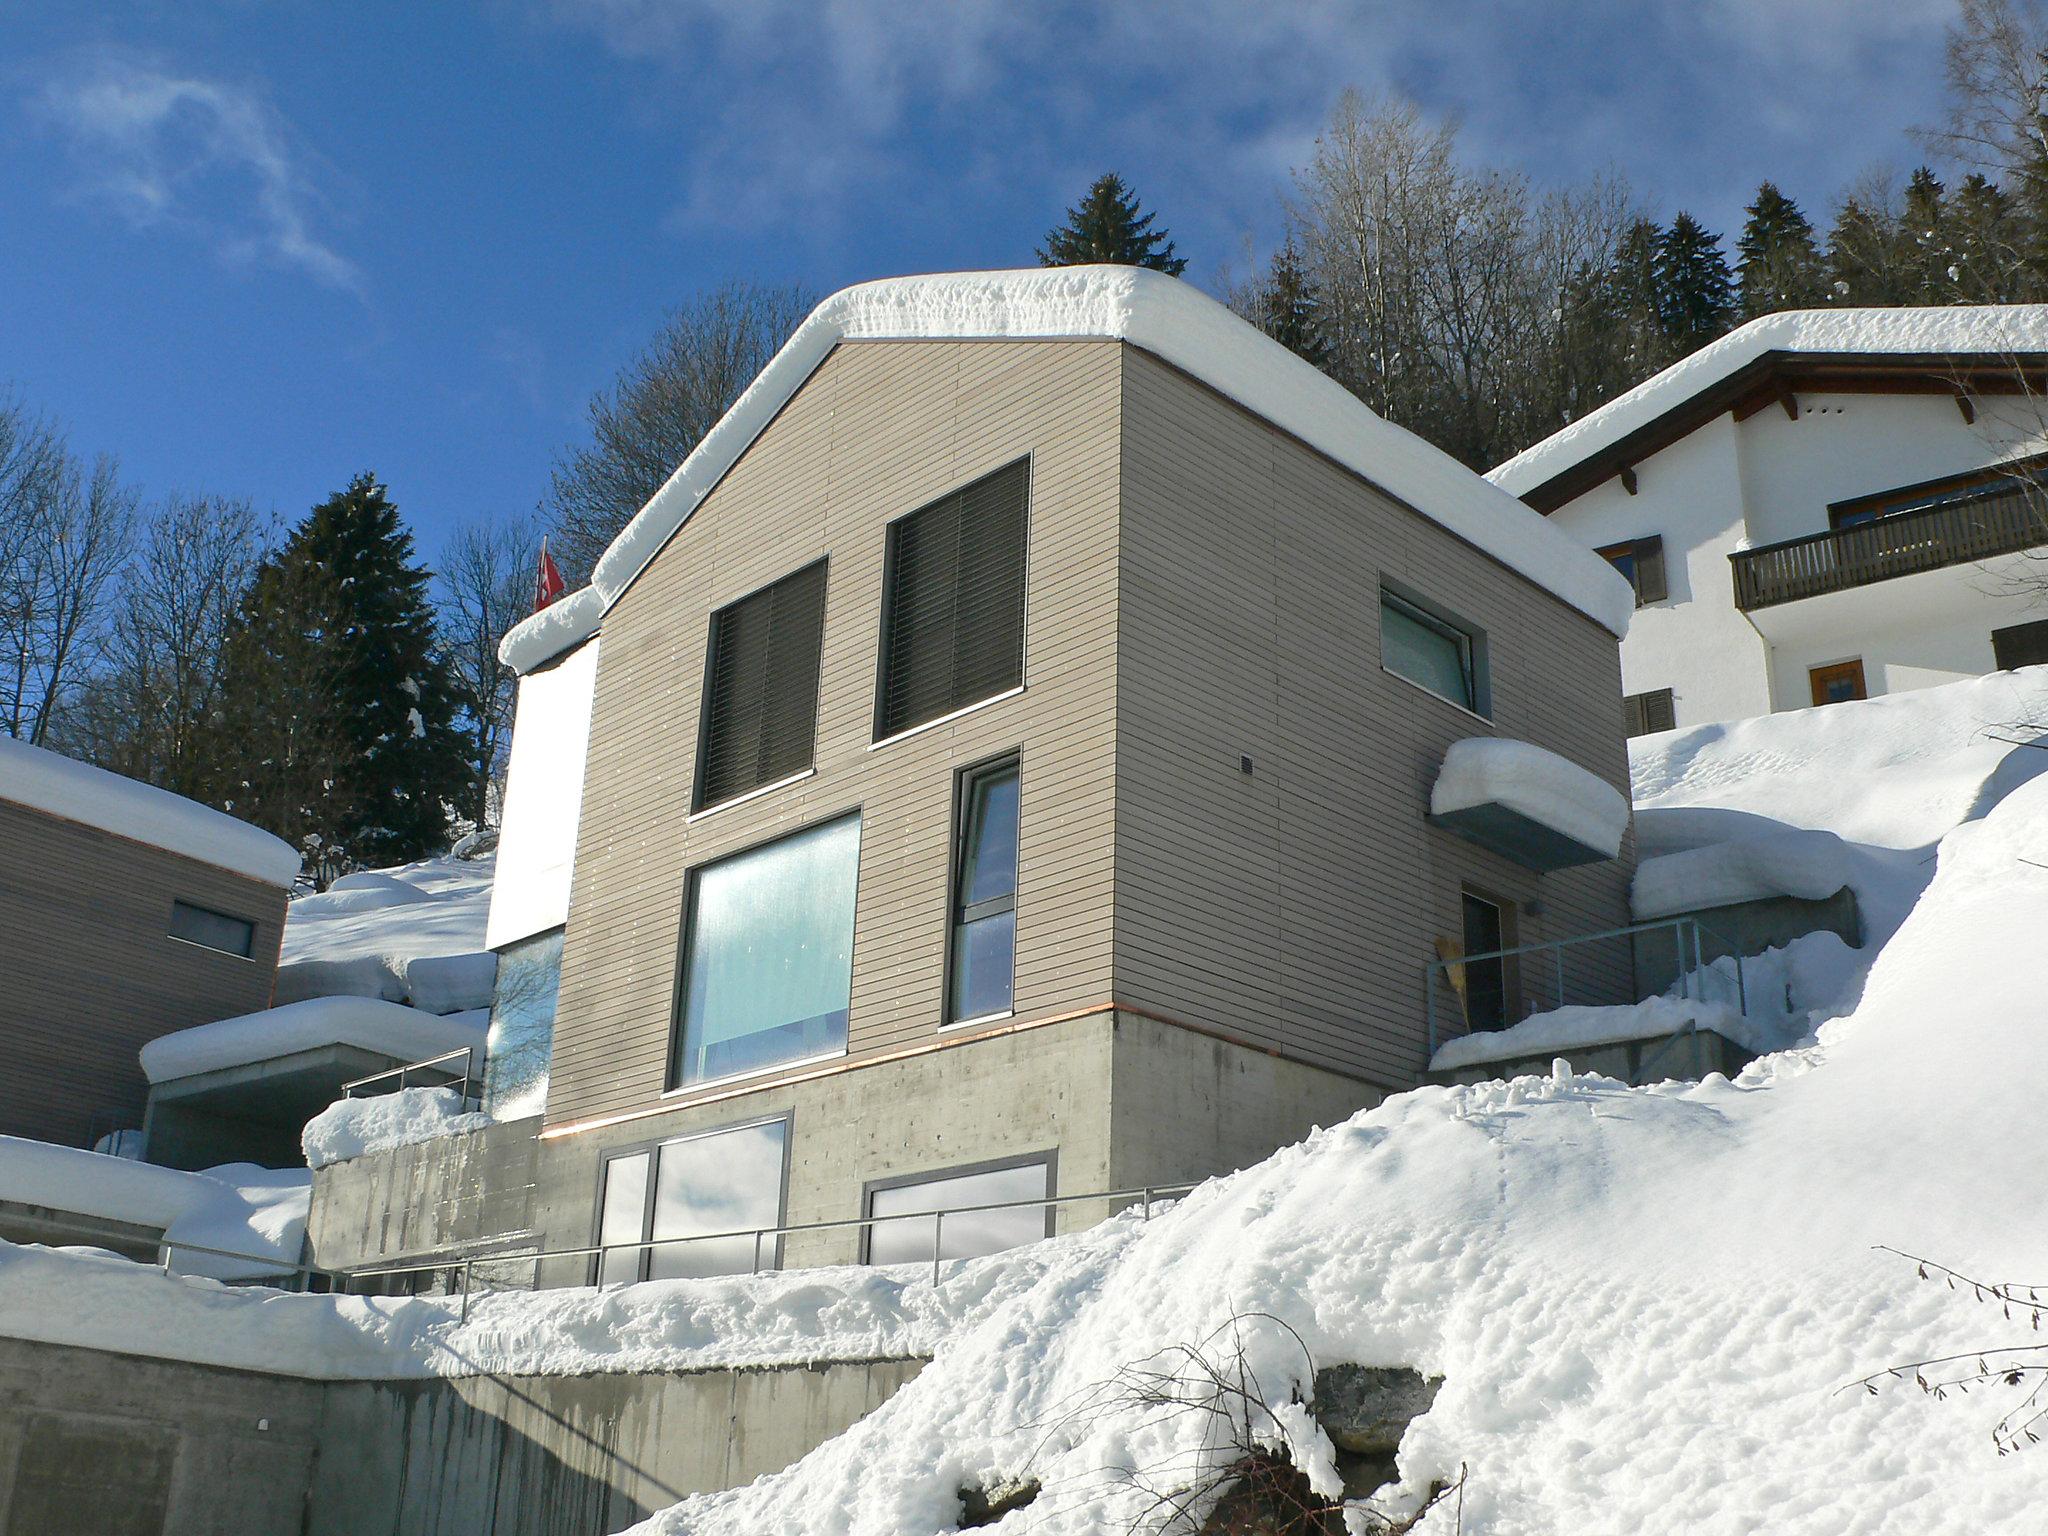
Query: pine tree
[[1779, 265], [1862, 259], [1695, 290], [1986, 238], [1924, 256], [336, 713], [1290, 310], [1633, 303], [1105, 226]]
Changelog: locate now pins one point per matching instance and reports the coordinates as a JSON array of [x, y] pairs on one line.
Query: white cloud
[[177, 151]]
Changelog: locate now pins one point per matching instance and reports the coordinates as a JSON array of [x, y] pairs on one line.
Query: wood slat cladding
[[1295, 906], [761, 692], [93, 972], [880, 430]]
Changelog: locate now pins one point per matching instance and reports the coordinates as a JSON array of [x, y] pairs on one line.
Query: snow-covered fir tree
[[1289, 309], [337, 713], [1695, 290], [1106, 226], [1778, 264]]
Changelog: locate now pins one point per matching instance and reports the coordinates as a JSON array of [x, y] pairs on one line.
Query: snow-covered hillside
[[411, 933]]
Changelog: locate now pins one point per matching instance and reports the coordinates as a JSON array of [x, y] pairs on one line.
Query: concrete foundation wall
[[96, 1444]]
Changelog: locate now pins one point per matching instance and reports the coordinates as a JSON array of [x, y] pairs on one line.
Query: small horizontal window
[[1433, 652], [907, 1231], [215, 930]]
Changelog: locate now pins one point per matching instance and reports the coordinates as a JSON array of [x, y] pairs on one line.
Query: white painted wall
[[1731, 485], [543, 799]]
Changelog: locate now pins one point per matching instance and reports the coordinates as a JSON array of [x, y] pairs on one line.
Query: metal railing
[[1535, 978], [1999, 521], [434, 1072], [1146, 1198]]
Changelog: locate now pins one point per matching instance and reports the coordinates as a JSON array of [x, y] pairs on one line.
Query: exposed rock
[[985, 1506], [1365, 1409]]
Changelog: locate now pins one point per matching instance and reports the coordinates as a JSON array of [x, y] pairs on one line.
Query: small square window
[[1433, 651], [1642, 562], [214, 930]]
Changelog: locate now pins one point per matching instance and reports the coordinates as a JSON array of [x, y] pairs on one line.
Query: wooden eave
[[1778, 378]]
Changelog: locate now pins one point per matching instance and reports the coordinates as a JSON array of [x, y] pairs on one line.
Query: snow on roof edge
[[368, 1023], [1989, 329], [560, 627], [1169, 318], [61, 786]]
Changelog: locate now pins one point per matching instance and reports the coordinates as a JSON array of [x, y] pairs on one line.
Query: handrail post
[[468, 1280], [938, 1243], [757, 1251], [1429, 1004]]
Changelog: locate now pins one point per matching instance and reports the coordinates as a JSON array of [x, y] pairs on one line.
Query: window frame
[[1474, 652], [1508, 915], [965, 781], [1818, 676], [675, 1084], [175, 937], [653, 1146], [556, 930], [1634, 550], [1048, 1158], [1636, 711], [884, 627], [699, 806]]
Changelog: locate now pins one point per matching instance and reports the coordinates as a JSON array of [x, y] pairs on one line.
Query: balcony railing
[[1999, 521], [455, 1069]]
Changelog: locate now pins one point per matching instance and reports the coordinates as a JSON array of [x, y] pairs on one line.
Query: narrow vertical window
[[982, 964], [622, 1218]]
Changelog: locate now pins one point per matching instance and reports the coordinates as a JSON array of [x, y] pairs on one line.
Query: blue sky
[[253, 246]]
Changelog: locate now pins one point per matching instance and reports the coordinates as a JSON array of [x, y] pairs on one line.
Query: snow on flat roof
[[1983, 329], [369, 1023], [1171, 319], [61, 786]]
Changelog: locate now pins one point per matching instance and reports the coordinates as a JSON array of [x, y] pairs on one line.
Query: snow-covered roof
[[1535, 783], [369, 1023], [1171, 319], [62, 786], [1985, 330]]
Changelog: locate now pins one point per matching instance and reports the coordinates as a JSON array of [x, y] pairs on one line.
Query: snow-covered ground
[[414, 932], [1645, 1304]]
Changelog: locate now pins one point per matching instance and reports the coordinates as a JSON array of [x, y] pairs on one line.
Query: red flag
[[547, 582]]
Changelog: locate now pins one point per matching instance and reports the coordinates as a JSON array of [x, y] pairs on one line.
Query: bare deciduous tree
[[486, 583], [65, 528], [646, 422]]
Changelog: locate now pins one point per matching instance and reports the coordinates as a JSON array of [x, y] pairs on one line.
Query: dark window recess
[[216, 930], [1652, 711], [2020, 645], [1485, 980], [761, 687], [1642, 562], [953, 602]]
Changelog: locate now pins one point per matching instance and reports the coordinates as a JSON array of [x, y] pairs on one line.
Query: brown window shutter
[[1650, 586], [2020, 645], [1647, 712], [953, 602], [760, 717]]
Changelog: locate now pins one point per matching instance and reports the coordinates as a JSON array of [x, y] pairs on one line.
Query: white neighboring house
[[1822, 505]]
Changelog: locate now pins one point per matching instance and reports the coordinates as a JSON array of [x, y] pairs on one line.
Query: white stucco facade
[[543, 799], [1730, 485]]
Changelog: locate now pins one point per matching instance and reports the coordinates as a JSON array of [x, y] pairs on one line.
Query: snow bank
[[238, 1209], [1992, 329], [351, 1127], [368, 934], [1169, 318], [409, 1034], [1542, 786], [1560, 1029], [60, 786], [1806, 863]]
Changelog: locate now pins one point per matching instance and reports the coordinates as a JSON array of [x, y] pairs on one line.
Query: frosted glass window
[[724, 1182], [768, 960], [1426, 650], [623, 1218], [911, 1238], [983, 968], [215, 930], [521, 1043]]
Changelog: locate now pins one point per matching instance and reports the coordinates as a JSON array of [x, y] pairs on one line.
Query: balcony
[[2002, 520]]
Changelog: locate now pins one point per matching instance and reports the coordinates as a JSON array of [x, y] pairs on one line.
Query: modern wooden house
[[1010, 744], [1822, 505], [129, 913]]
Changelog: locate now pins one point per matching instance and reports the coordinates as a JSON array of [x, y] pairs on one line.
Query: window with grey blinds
[[761, 687], [953, 602]]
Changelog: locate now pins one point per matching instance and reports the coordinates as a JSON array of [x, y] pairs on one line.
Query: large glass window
[[768, 958], [214, 930], [727, 1181], [953, 602], [982, 964], [916, 1238], [1432, 652], [522, 1039]]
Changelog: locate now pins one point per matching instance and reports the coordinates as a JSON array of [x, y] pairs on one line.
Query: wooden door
[[1838, 683]]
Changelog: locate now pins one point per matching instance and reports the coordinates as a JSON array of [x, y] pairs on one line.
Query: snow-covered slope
[[414, 932]]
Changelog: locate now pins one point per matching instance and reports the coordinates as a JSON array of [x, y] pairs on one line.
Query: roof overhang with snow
[[1961, 352], [1170, 319], [1527, 804]]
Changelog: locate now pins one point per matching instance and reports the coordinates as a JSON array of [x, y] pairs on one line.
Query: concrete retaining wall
[[101, 1444]]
